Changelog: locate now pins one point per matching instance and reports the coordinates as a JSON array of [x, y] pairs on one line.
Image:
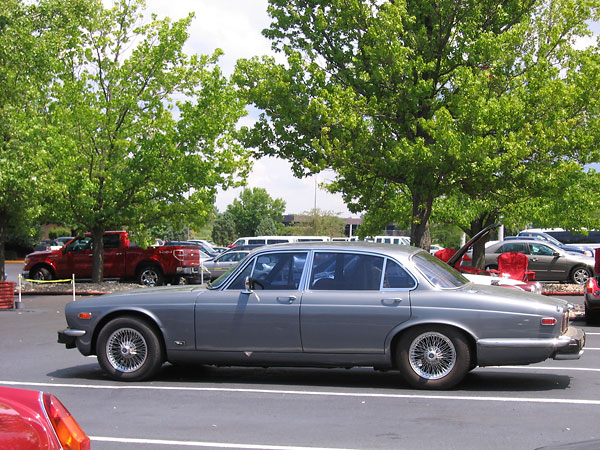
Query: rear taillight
[[591, 286], [68, 431]]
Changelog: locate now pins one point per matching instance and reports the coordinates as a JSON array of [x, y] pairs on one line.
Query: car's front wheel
[[580, 275], [41, 274], [433, 357], [129, 349]]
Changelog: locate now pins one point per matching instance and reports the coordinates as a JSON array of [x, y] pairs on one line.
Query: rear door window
[[346, 272]]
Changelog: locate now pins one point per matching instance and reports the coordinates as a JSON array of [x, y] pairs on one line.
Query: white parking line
[[566, 401], [208, 444]]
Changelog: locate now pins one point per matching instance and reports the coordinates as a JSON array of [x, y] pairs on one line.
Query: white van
[[267, 240], [400, 240]]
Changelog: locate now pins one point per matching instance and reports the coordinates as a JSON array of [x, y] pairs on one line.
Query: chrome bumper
[[69, 336], [570, 345]]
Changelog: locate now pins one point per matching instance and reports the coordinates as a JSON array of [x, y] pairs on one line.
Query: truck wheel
[[129, 349], [41, 274], [436, 357], [150, 276]]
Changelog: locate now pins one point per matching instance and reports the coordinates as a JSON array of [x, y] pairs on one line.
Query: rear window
[[438, 272]]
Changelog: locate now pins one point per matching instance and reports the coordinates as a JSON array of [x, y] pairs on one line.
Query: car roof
[[525, 240], [404, 250]]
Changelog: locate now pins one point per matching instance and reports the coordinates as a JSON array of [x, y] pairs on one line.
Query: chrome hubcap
[[580, 276], [149, 277], [432, 355], [126, 350]]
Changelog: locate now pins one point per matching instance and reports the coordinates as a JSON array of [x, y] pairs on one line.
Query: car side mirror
[[248, 285]]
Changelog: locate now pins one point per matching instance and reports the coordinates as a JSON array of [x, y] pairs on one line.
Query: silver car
[[549, 262], [326, 304], [217, 266]]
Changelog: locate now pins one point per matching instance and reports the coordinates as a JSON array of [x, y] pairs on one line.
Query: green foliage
[[252, 206], [58, 232], [138, 131], [34, 39], [415, 102], [224, 232], [317, 222], [266, 227]]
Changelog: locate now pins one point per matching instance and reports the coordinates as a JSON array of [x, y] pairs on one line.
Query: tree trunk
[[479, 248], [98, 258], [419, 229]]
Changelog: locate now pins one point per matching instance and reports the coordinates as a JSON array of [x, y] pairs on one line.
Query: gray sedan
[[549, 262], [326, 304]]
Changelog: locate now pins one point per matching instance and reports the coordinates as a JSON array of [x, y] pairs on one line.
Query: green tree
[[317, 222], [34, 38], [413, 101], [252, 206], [141, 132], [224, 232], [266, 227]]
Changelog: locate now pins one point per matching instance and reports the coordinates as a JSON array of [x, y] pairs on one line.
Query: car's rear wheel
[[150, 276], [580, 275], [129, 349], [41, 274], [433, 357]]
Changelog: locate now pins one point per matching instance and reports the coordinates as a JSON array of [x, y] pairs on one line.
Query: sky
[[235, 27]]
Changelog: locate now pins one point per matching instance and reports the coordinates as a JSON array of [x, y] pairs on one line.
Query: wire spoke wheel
[[432, 355], [126, 349]]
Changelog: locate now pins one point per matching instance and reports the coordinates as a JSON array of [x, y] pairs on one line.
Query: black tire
[[433, 357], [580, 275], [591, 317], [41, 274], [150, 276], [129, 349]]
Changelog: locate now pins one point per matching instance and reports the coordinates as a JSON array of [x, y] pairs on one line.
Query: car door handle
[[391, 301], [289, 299]]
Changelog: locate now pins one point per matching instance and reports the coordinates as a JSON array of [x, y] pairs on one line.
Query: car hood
[[461, 251], [43, 253]]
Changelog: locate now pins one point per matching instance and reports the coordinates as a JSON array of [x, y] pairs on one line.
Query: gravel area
[[116, 286]]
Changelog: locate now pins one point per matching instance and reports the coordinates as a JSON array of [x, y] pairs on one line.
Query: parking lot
[[552, 403]]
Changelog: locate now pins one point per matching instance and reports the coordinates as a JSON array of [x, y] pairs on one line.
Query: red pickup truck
[[122, 259]]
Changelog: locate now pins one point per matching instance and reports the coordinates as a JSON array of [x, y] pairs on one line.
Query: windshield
[[438, 272]]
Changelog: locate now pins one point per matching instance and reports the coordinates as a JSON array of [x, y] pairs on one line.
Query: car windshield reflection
[[438, 272]]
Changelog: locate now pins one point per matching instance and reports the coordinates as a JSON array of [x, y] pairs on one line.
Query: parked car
[[214, 268], [123, 259], [528, 234], [549, 262], [37, 420], [244, 247], [203, 254], [461, 260], [327, 304], [434, 248]]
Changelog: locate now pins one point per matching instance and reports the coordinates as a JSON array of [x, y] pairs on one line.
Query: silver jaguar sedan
[[326, 304]]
